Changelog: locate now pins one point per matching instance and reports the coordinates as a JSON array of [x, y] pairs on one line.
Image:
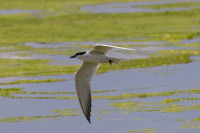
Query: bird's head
[[77, 54]]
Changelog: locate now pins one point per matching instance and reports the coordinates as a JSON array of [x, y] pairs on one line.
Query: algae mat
[[155, 91]]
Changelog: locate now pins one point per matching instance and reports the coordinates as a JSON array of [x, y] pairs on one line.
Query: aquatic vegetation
[[33, 67], [22, 119], [147, 130], [52, 4], [195, 123], [172, 5], [189, 52], [195, 45], [90, 27], [17, 67], [95, 27], [138, 106], [147, 62], [166, 106], [60, 114], [9, 47], [11, 91], [179, 99], [178, 108], [153, 94], [7, 92], [135, 106], [32, 81], [61, 22], [67, 112]]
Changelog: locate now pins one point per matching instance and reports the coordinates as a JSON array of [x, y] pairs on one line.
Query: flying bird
[[91, 61]]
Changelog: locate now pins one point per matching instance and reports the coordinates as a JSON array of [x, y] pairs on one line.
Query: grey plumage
[[83, 89]]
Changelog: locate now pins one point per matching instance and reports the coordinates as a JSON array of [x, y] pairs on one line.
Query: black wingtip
[[88, 119]]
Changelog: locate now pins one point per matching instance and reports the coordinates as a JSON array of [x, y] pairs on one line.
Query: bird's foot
[[110, 61]]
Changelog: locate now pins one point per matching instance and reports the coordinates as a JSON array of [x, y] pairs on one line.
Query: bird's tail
[[116, 60]]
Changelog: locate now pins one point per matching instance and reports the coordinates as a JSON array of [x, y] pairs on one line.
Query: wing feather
[[82, 80], [103, 49]]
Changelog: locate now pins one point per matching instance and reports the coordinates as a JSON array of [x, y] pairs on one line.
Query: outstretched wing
[[83, 89], [103, 49]]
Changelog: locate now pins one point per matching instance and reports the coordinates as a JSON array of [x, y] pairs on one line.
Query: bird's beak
[[72, 56]]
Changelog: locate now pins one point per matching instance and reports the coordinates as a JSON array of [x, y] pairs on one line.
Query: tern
[[91, 61]]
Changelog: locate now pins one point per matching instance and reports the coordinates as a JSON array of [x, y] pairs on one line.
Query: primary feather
[[83, 89], [83, 77]]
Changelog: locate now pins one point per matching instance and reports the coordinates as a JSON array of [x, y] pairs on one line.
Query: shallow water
[[39, 115], [17, 11], [141, 50], [132, 7], [162, 99], [71, 44], [193, 40]]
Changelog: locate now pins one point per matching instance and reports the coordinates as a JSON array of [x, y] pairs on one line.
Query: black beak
[[72, 56]]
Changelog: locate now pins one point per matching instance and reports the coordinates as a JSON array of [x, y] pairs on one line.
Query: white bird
[[91, 61]]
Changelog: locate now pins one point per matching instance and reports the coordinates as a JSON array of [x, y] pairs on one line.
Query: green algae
[[173, 5], [33, 81], [50, 5], [165, 106], [22, 119], [11, 93], [67, 112], [178, 108], [138, 106], [147, 130], [178, 27], [85, 27], [195, 45], [33, 67], [179, 99], [189, 52], [92, 27], [59, 114], [9, 47], [194, 123], [153, 94], [28, 118]]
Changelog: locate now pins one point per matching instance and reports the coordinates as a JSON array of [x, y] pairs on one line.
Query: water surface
[[104, 115], [132, 7]]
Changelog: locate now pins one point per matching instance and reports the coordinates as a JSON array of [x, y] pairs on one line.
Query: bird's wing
[[103, 49], [82, 81]]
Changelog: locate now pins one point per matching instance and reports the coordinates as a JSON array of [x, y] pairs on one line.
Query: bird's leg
[[110, 61]]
